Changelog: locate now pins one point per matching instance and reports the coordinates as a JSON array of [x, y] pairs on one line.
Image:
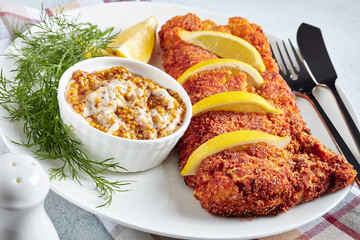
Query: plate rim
[[101, 213]]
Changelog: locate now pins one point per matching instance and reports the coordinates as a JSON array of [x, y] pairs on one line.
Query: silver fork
[[298, 78]]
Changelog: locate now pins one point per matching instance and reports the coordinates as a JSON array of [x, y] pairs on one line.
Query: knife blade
[[312, 47]]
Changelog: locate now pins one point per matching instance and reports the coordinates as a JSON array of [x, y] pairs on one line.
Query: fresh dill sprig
[[45, 51]]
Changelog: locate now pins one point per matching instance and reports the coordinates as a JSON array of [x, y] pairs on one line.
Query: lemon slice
[[253, 76], [136, 42], [234, 101], [225, 45], [230, 140]]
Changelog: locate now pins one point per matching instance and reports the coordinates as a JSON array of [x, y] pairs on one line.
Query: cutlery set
[[313, 49]]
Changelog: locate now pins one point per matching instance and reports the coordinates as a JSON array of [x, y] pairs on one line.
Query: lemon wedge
[[228, 140], [225, 45], [253, 76], [136, 42], [234, 101]]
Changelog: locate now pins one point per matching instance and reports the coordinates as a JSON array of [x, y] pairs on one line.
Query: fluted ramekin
[[134, 155]]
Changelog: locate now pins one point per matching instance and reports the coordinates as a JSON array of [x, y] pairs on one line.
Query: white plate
[[160, 202]]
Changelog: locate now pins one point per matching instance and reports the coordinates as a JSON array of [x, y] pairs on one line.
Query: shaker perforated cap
[[23, 181]]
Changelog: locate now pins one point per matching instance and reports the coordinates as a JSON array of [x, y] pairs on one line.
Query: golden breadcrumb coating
[[261, 179]]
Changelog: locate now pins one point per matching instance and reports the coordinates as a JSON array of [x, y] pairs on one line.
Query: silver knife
[[312, 47]]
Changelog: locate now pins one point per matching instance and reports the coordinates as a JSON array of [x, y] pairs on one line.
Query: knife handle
[[346, 115], [335, 135]]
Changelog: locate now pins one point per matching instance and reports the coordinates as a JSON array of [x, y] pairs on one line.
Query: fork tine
[[299, 61], [276, 57], [287, 53], [272, 52], [293, 75], [304, 85], [283, 67]]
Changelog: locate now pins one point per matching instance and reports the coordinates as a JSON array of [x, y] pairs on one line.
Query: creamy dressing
[[165, 95], [102, 104]]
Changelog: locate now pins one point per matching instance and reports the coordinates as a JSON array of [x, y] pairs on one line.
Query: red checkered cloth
[[342, 222]]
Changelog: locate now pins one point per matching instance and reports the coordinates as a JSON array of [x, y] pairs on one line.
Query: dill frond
[[47, 49]]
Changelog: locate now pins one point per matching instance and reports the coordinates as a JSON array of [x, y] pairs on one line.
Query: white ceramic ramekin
[[134, 155]]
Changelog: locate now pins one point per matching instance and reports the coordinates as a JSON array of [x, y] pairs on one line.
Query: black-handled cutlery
[[312, 47]]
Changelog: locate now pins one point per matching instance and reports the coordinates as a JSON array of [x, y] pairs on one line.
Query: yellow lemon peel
[[234, 101], [227, 141], [253, 76], [136, 42], [225, 45]]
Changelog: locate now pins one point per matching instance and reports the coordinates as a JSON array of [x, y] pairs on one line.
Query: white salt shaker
[[23, 187]]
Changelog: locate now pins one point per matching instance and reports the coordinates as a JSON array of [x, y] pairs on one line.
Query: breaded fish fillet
[[261, 179]]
